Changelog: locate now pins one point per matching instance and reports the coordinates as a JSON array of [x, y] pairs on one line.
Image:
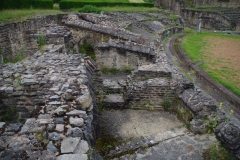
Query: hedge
[[75, 4], [45, 4], [18, 4]]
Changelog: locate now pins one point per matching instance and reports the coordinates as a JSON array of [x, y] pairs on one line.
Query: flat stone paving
[[186, 147]]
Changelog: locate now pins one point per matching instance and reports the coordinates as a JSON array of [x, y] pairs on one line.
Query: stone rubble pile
[[57, 86]]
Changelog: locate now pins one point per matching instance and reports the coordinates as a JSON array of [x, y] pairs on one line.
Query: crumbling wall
[[14, 37]]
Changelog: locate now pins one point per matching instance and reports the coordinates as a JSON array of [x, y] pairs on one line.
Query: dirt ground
[[125, 124], [223, 57]]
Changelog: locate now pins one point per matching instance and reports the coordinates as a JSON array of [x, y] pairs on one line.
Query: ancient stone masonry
[[14, 37], [119, 54], [58, 88], [77, 22], [216, 3], [57, 93], [201, 3], [210, 20]]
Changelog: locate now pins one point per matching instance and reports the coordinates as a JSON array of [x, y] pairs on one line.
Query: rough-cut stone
[[54, 136], [85, 100], [82, 147], [2, 124], [15, 145], [78, 122], [74, 132], [69, 145], [59, 128], [29, 81], [51, 147], [14, 127], [229, 134], [61, 110], [75, 112], [73, 157]]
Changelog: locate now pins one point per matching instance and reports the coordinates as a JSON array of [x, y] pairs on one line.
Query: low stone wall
[[120, 54], [203, 76]]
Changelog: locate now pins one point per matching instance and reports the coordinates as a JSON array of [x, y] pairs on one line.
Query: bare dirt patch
[[222, 56], [126, 124]]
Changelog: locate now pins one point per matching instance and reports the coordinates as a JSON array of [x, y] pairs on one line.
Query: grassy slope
[[195, 47]]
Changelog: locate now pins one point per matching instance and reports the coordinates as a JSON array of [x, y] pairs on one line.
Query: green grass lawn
[[21, 14], [223, 69]]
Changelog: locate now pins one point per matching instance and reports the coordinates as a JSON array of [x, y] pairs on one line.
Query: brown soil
[[224, 55]]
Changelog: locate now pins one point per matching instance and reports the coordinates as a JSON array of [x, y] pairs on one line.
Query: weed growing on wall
[[214, 122], [9, 115], [87, 49], [19, 57], [166, 104], [129, 27], [217, 152], [41, 39]]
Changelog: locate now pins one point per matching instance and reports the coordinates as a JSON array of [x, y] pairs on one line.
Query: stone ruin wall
[[210, 20], [14, 37], [195, 101], [168, 4], [216, 3], [238, 26], [120, 54]]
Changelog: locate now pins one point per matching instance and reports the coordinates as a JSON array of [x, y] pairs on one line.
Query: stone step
[[111, 86], [114, 101]]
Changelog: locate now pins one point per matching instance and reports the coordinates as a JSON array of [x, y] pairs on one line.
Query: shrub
[[89, 9], [46, 4], [17, 4], [87, 49]]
